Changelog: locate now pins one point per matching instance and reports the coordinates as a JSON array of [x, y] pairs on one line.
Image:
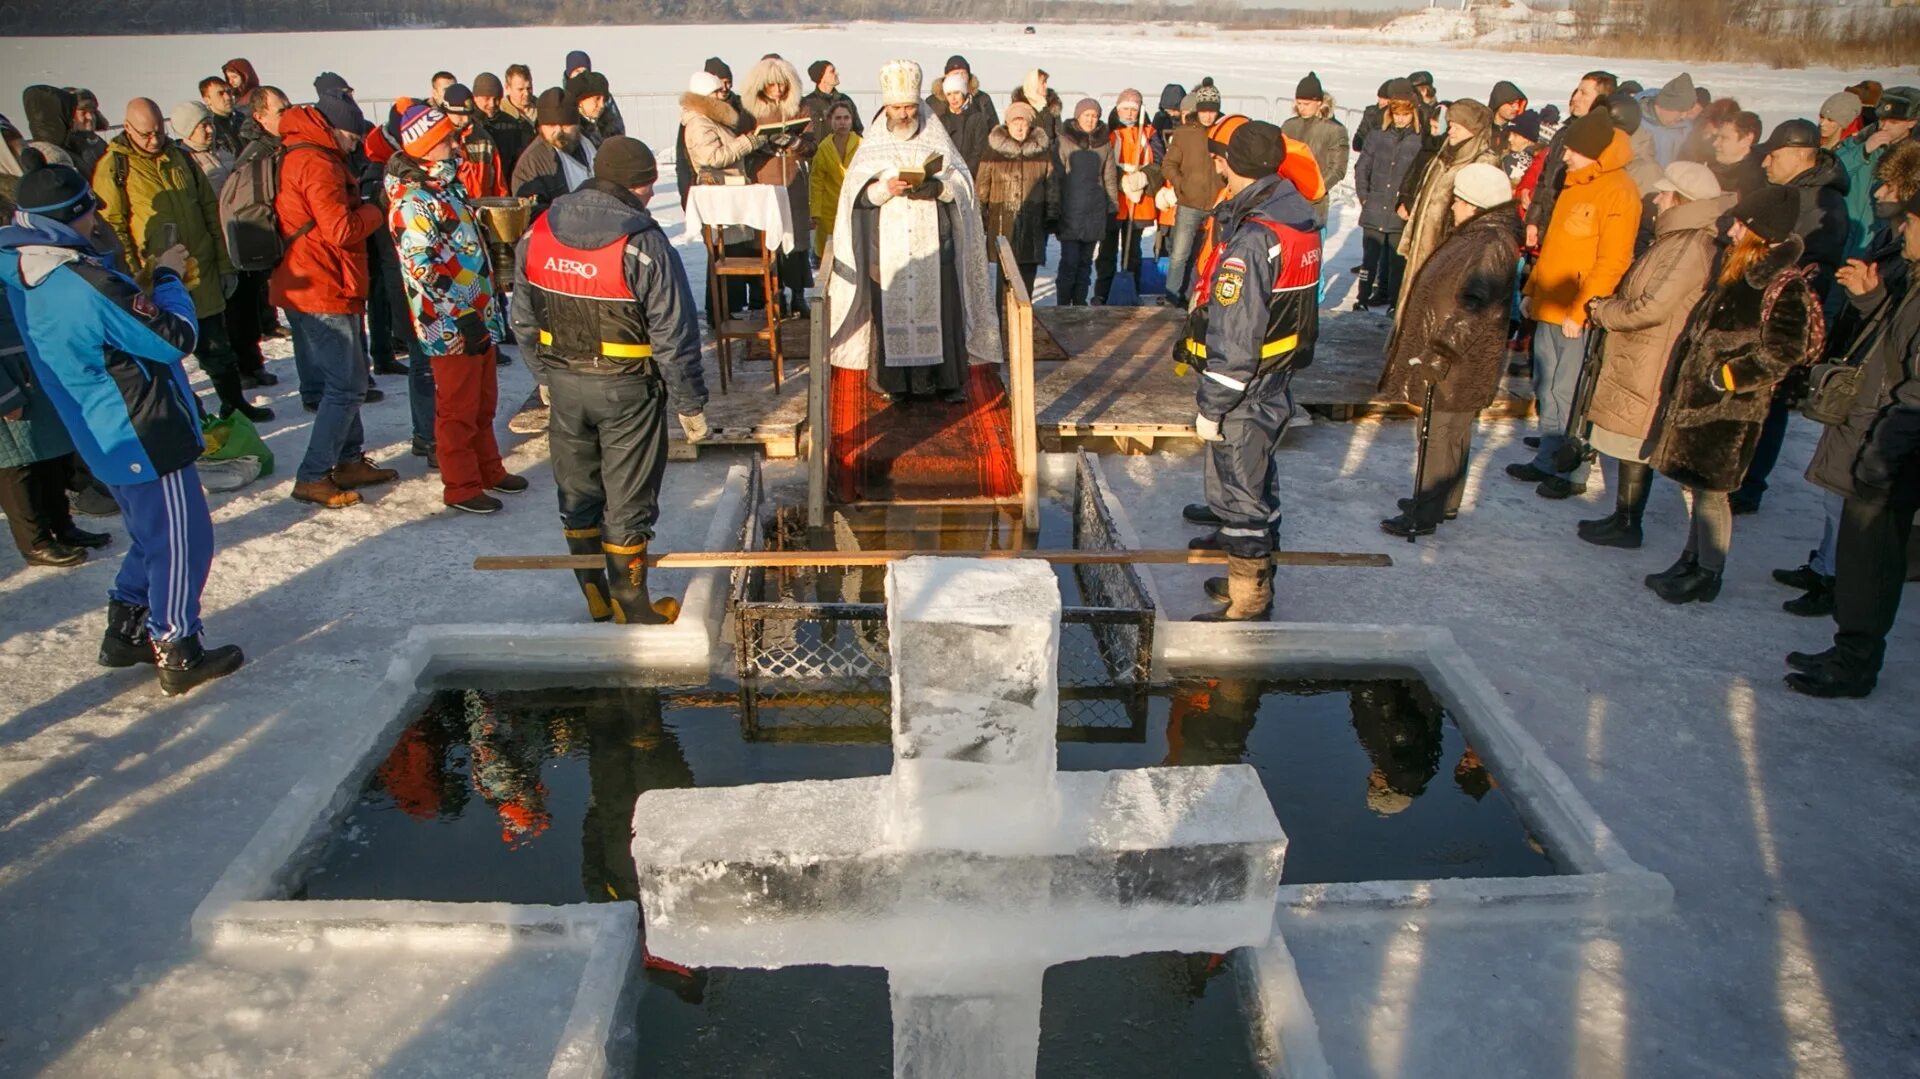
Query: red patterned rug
[[921, 449]]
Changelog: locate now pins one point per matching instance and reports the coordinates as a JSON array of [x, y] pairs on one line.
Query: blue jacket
[[1256, 305], [106, 354]]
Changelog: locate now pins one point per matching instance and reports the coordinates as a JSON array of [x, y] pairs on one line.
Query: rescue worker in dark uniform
[[602, 305], [1254, 318]]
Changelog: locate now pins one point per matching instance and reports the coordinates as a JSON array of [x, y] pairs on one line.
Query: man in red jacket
[[321, 283]]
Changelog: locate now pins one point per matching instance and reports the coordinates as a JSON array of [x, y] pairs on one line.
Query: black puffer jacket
[[1383, 175], [1455, 312], [1089, 183], [1725, 370], [1874, 454], [1823, 215], [968, 129]]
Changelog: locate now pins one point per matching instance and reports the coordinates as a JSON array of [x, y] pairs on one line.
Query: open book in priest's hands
[[915, 175]]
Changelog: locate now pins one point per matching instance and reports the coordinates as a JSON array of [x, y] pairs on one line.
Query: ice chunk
[[976, 696]]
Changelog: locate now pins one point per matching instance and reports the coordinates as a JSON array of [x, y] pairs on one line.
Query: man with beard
[[910, 283], [561, 160]]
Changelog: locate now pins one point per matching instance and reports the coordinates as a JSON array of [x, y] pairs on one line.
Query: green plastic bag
[[233, 436]]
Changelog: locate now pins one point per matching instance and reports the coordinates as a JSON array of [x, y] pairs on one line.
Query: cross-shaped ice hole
[[976, 864]]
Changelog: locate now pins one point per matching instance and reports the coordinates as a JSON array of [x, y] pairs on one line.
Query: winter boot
[[1249, 592], [1696, 585], [1804, 577], [1688, 560], [627, 588], [234, 399], [1832, 682], [1817, 603], [1621, 528], [184, 664], [1199, 513], [126, 642], [593, 582]]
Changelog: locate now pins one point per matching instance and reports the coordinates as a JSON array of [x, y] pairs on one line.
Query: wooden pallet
[[751, 413]]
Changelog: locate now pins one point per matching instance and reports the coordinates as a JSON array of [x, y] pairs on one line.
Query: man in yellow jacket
[[147, 182], [1586, 251]]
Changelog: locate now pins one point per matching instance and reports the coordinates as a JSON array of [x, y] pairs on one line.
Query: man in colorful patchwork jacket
[[443, 261], [109, 358]]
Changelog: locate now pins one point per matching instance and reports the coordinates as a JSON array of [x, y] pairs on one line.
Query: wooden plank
[[1020, 384], [788, 559], [818, 381]]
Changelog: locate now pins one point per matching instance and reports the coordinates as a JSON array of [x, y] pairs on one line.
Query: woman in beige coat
[[1643, 320], [1429, 215], [714, 142]]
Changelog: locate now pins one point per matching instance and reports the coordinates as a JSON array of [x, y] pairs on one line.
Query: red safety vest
[[581, 299]]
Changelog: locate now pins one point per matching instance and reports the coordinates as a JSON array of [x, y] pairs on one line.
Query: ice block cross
[[976, 864]]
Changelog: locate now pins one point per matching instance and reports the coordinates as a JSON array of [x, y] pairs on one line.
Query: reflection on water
[[516, 795]]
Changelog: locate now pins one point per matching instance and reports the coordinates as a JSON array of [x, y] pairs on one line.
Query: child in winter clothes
[[443, 260]]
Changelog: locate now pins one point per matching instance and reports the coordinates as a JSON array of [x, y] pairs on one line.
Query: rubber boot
[[627, 588], [234, 399], [1249, 592], [593, 582], [184, 664], [126, 642], [1621, 528]]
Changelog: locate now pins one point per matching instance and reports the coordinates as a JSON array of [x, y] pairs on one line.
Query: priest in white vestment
[[909, 299]]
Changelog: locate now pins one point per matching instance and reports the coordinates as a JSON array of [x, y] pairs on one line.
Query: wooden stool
[[727, 329]]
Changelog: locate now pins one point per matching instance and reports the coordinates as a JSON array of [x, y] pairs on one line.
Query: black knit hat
[[1255, 149], [718, 68], [1772, 212], [487, 84], [1309, 88], [55, 191], [457, 100], [957, 63], [817, 69], [1590, 135], [625, 161], [555, 107]]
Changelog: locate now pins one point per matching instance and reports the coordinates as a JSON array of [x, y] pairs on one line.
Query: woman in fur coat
[[1020, 190], [772, 96], [1760, 320]]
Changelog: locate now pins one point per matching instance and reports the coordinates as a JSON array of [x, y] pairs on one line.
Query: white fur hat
[[900, 83], [703, 84], [1483, 185], [955, 83]]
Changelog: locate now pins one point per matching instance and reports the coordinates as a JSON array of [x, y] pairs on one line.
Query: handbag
[[1833, 387]]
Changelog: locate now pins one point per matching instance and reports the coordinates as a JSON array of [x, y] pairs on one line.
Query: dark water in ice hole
[[525, 796]]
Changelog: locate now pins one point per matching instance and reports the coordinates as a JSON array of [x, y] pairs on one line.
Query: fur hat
[[555, 108], [900, 83], [588, 84], [1470, 114], [1868, 91], [1482, 186], [423, 128], [703, 83], [1590, 135], [1399, 90], [1899, 167], [1899, 103], [1771, 213], [956, 83]]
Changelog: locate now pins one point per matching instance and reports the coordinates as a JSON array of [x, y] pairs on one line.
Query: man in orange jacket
[[1584, 254]]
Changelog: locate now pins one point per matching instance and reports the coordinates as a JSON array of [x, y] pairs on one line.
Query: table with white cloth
[[765, 208], [716, 213]]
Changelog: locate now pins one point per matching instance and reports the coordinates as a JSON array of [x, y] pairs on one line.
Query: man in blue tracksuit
[[109, 358], [1254, 318]]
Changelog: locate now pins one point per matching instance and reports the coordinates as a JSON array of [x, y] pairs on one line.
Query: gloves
[[694, 426], [1209, 429], [1134, 184], [782, 140], [1165, 199], [926, 189], [229, 284]]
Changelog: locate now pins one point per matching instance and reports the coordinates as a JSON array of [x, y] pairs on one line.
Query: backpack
[[247, 215]]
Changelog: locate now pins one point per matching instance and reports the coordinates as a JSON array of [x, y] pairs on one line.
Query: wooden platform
[[1102, 372]]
